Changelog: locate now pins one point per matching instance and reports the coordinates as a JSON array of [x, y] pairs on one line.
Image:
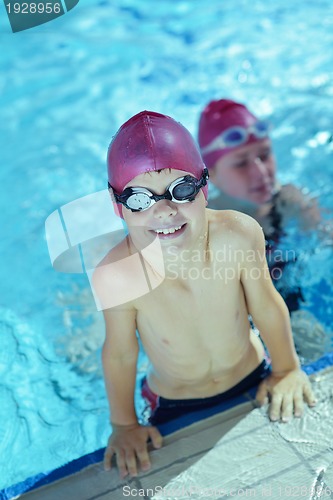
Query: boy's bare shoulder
[[120, 251], [232, 224], [114, 276], [112, 267], [235, 231]]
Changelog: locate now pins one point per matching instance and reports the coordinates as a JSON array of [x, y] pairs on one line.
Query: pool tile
[[237, 460]]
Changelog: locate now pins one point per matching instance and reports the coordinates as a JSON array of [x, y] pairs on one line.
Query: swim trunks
[[163, 410]]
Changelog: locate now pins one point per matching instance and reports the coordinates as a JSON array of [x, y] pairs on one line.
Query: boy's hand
[[129, 444], [286, 393]]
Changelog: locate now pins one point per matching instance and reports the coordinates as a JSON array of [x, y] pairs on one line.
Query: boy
[[211, 273]]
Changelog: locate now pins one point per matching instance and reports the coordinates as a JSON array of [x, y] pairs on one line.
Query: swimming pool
[[66, 88]]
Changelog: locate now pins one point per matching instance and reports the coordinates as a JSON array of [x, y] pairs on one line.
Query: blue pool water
[[66, 87]]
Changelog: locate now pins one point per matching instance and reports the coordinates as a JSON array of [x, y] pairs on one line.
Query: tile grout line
[[282, 472]]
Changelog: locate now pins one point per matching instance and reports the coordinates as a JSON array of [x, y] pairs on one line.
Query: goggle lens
[[261, 129], [138, 201], [234, 136], [183, 190]]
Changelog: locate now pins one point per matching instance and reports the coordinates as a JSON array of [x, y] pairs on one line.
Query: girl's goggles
[[236, 136], [181, 190]]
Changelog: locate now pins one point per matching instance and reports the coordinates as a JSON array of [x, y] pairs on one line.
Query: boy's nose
[[164, 209]]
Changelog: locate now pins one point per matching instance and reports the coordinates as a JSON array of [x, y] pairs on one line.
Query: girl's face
[[247, 173]]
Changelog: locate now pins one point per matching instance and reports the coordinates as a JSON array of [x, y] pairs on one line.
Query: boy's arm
[[119, 358], [128, 441], [288, 384]]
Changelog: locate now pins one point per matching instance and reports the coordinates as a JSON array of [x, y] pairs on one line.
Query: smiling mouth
[[169, 230]]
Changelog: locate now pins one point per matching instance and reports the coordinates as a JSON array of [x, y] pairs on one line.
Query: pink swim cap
[[217, 117], [148, 142]]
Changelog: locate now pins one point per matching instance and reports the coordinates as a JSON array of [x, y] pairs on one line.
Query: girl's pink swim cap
[[148, 142], [217, 117]]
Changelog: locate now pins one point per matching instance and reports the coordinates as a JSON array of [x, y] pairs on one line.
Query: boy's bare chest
[[195, 288], [191, 310], [179, 325]]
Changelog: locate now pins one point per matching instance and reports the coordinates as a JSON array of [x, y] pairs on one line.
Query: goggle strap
[[259, 129]]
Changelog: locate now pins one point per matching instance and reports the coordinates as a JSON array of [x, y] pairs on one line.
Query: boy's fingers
[[275, 408], [107, 458], [298, 404], [309, 395], [155, 436], [121, 464], [262, 394], [287, 408], [143, 459], [131, 464]]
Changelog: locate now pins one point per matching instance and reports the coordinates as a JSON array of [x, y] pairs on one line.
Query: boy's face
[[176, 224], [247, 173]]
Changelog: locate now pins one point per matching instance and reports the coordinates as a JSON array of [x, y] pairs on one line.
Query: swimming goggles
[[236, 136], [181, 190]]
